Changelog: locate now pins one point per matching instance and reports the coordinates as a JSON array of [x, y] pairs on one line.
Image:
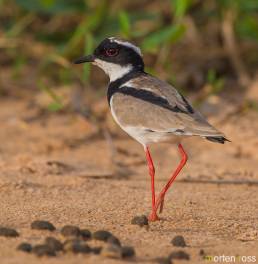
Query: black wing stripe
[[187, 105], [151, 97]]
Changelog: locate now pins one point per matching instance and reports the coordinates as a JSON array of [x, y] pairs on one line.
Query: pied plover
[[148, 109]]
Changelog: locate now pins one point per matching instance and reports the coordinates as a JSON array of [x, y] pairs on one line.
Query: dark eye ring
[[111, 52]]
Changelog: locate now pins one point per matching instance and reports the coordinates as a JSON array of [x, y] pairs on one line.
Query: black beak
[[88, 58]]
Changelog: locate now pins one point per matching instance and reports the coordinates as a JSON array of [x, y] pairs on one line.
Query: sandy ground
[[50, 169]]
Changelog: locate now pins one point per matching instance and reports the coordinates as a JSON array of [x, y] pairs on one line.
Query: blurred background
[[205, 48]]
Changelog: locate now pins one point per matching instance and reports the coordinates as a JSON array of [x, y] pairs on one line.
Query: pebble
[[54, 244], [96, 250], [26, 247], [128, 252], [43, 250], [201, 252], [101, 235], [85, 234], [42, 225], [70, 231], [8, 232], [140, 221], [111, 251], [114, 240], [179, 255], [164, 261], [76, 246], [178, 241], [68, 245]]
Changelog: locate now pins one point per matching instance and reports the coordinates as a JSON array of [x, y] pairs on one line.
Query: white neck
[[114, 71]]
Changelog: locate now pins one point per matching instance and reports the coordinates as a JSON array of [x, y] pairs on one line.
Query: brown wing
[[162, 109]]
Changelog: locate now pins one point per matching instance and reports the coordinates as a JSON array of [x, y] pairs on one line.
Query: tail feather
[[218, 139]]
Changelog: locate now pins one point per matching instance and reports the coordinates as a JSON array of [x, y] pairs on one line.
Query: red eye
[[111, 52]]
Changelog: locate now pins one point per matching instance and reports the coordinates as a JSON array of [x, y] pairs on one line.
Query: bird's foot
[[153, 216]]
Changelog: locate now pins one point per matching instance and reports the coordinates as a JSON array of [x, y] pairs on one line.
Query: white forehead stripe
[[127, 44]]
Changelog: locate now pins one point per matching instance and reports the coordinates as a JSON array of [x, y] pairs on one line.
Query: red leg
[[153, 216], [160, 200]]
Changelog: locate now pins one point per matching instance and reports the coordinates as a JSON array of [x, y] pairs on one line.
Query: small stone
[[85, 234], [164, 261], [76, 246], [43, 250], [42, 225], [8, 232], [26, 247], [201, 253], [114, 240], [70, 231], [178, 241], [140, 221], [69, 244], [179, 255], [81, 248], [128, 252], [101, 235], [54, 244], [96, 250], [111, 251]]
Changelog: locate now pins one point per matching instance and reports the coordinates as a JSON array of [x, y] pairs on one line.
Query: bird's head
[[115, 57]]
